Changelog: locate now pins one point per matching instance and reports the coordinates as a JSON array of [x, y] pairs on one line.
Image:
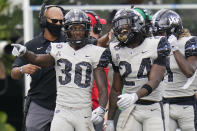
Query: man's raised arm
[[43, 60]]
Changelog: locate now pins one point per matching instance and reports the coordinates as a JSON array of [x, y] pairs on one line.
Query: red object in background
[[95, 94], [94, 21]]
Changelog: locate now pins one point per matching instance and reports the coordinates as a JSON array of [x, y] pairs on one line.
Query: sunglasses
[[54, 21]]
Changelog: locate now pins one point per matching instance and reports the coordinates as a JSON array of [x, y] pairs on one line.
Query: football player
[[76, 62], [139, 66], [179, 82]]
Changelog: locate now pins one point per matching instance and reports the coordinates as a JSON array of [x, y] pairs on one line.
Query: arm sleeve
[[105, 58], [163, 48], [163, 51], [191, 47]]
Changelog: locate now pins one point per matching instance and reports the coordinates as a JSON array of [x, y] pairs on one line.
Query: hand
[[110, 34], [18, 50], [109, 125], [30, 69], [173, 42], [97, 115], [127, 100]]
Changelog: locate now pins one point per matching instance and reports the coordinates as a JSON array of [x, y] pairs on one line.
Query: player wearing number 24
[[139, 66], [76, 62]]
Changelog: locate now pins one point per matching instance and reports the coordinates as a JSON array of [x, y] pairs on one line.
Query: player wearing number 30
[[139, 66], [179, 101], [76, 62]]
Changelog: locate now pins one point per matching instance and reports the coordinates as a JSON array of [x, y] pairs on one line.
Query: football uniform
[[134, 66], [179, 90], [74, 75]]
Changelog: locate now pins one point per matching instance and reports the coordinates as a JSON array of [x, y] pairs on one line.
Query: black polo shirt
[[43, 85]]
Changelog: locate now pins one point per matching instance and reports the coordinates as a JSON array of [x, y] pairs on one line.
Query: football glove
[[18, 50], [173, 42], [98, 115], [126, 100]]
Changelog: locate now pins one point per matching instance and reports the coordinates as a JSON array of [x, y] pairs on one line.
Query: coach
[[41, 97]]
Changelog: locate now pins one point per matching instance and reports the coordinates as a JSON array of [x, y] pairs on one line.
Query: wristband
[[148, 88], [21, 70]]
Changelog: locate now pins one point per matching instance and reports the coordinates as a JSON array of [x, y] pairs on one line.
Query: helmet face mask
[[128, 23], [77, 26], [77, 32], [122, 29]]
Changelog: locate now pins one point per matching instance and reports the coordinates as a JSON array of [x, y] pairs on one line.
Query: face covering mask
[[54, 29]]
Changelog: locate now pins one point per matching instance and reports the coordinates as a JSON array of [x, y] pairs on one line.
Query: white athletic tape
[[124, 116], [189, 81]]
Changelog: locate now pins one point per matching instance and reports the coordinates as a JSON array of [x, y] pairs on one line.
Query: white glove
[[127, 100], [18, 50], [109, 125], [98, 115], [173, 42]]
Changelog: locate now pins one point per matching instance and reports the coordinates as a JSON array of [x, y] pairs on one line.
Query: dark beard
[[137, 38]]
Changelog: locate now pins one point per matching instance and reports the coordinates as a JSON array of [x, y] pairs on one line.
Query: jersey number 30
[[79, 70]]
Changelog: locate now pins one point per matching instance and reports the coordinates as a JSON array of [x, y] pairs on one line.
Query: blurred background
[[14, 20]]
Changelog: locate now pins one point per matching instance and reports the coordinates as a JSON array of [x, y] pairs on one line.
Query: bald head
[[54, 13]]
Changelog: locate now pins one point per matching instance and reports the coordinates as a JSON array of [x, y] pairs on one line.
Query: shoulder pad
[[163, 48], [191, 47], [105, 58]]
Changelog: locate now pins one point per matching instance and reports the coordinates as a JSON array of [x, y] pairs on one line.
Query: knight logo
[[59, 46], [58, 53]]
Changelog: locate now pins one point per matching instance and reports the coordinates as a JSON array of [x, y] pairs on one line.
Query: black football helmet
[[168, 21], [74, 17], [133, 19]]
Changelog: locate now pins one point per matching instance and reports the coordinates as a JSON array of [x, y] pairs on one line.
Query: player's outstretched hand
[[98, 115], [109, 125], [18, 50], [126, 100]]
